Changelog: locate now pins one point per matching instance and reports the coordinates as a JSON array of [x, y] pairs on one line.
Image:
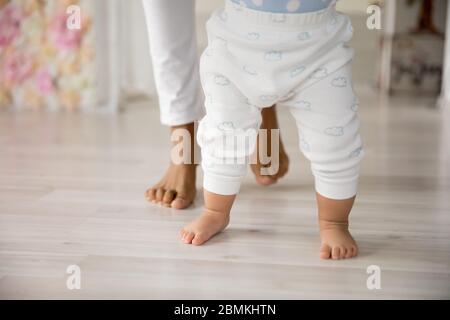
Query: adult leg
[[173, 48]]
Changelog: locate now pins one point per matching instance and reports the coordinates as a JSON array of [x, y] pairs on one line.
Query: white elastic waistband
[[280, 20]]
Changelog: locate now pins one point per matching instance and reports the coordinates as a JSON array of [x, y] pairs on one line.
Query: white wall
[[445, 95], [348, 6], [354, 6]]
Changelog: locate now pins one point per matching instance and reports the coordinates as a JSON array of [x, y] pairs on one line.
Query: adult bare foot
[[269, 173], [177, 188]]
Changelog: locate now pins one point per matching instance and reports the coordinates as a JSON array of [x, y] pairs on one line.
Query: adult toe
[[150, 194], [159, 195], [169, 195], [180, 203]]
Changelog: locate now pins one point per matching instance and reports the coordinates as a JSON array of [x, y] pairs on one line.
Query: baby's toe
[[183, 234], [188, 236], [325, 251], [199, 239], [268, 180], [343, 252], [335, 253], [265, 180], [349, 253], [354, 251]]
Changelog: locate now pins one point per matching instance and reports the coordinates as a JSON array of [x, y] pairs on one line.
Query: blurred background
[[45, 66]]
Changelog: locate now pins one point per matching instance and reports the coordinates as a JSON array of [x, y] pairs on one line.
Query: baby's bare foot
[[176, 189], [269, 179], [337, 242], [208, 224]]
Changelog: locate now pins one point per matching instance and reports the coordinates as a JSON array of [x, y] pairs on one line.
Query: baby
[[284, 52]]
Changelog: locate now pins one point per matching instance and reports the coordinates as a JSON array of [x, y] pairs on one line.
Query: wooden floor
[[71, 193]]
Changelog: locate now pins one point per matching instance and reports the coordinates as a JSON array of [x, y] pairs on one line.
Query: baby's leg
[[227, 137], [325, 113], [224, 166]]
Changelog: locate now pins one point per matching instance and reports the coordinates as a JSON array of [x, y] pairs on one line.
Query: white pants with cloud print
[[256, 59]]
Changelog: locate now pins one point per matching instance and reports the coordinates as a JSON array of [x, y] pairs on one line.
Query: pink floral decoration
[[17, 68], [42, 62], [44, 81], [10, 17], [63, 37]]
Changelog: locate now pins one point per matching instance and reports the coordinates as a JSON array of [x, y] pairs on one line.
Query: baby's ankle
[[325, 224], [222, 216], [221, 212], [218, 205]]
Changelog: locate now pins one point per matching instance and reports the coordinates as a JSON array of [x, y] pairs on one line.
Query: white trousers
[[173, 48], [256, 59]]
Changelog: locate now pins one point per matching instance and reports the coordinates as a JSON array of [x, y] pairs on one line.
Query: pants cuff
[[336, 191], [221, 185], [182, 118]]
